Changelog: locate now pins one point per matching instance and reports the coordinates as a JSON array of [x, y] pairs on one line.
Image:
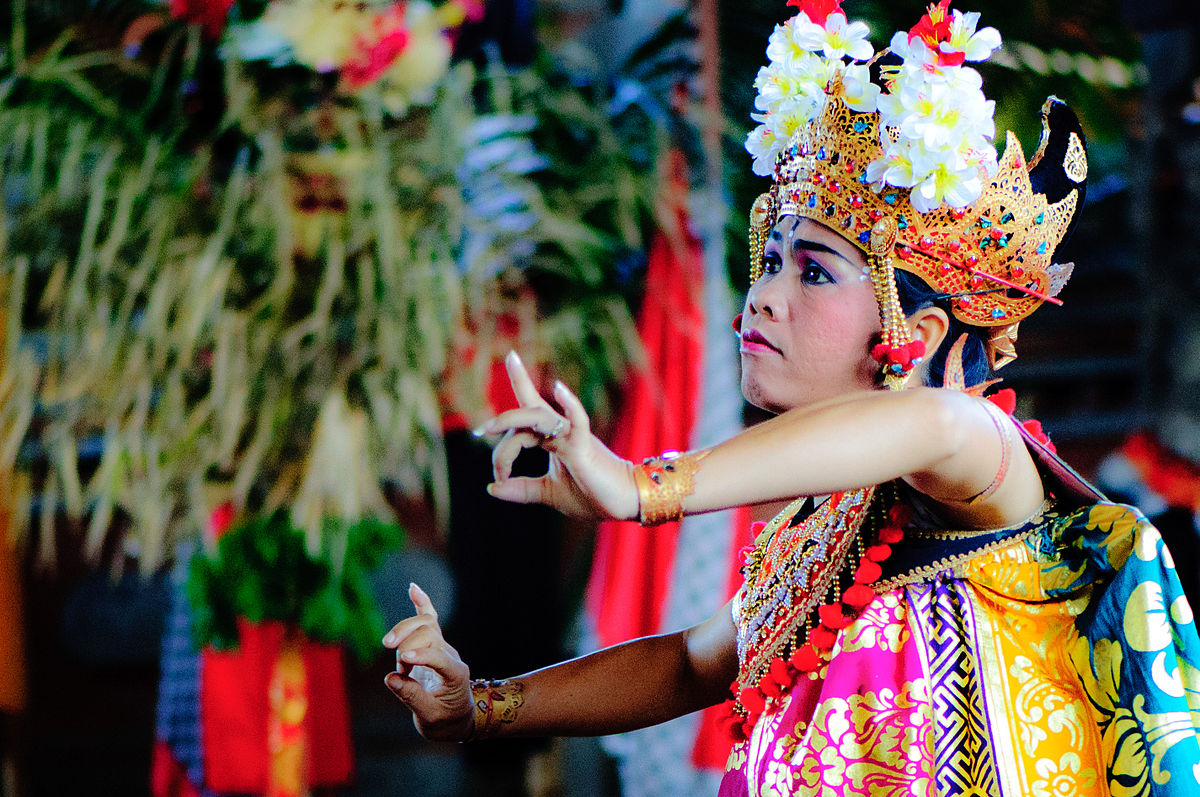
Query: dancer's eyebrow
[[815, 246]]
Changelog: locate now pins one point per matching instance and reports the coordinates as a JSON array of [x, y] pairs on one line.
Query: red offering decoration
[[237, 718]]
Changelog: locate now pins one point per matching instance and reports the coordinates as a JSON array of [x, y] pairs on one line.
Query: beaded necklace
[[804, 583]]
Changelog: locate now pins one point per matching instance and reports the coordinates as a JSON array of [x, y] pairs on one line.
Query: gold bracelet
[[496, 704], [662, 483]]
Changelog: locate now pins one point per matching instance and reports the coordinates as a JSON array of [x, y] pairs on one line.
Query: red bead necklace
[[751, 701]]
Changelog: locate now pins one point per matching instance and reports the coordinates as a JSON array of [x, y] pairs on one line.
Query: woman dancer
[[945, 607]]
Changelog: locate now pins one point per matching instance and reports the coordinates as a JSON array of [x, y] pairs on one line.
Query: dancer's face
[[809, 321]]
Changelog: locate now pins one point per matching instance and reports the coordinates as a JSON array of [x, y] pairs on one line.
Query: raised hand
[[430, 678], [584, 479]]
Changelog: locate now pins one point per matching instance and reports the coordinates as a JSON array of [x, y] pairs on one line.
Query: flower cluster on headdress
[[935, 124]]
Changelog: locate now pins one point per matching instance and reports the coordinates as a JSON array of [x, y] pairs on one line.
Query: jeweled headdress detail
[[903, 166]]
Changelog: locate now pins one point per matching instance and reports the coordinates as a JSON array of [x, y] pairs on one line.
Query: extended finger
[[573, 408], [522, 385], [421, 602], [507, 450], [521, 490]]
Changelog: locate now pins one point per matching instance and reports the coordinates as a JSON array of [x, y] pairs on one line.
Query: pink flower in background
[[210, 15], [373, 55]]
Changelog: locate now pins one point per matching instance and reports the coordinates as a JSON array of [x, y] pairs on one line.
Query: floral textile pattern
[[1063, 663]]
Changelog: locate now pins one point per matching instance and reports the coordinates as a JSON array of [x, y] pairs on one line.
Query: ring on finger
[[558, 429]]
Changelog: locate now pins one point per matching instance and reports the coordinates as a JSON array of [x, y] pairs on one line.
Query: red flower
[[933, 29], [210, 15], [819, 10], [374, 55]]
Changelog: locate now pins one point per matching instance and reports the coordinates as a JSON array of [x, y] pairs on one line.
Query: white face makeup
[[808, 322]]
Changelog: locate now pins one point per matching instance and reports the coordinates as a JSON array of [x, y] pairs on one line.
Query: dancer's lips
[[755, 341]]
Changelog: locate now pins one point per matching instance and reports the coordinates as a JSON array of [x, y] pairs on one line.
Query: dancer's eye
[[811, 273]]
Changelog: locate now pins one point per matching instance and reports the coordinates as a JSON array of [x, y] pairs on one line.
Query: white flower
[[858, 91], [957, 187], [914, 52], [764, 146], [964, 39], [837, 38], [778, 82]]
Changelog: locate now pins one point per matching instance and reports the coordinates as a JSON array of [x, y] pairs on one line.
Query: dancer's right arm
[[628, 686]]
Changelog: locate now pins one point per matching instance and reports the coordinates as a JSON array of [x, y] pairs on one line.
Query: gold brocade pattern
[[877, 744]]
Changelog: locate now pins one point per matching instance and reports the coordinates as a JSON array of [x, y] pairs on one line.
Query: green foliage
[[262, 570]]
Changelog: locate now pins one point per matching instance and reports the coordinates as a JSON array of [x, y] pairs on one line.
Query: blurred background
[[260, 261]]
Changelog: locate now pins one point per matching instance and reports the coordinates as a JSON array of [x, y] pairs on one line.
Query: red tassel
[[752, 699], [747, 727], [1005, 399], [879, 352], [877, 553], [858, 596], [822, 637], [900, 515], [806, 659], [770, 687], [781, 671], [832, 616], [737, 323], [756, 528], [916, 349], [899, 356], [868, 573], [891, 535]]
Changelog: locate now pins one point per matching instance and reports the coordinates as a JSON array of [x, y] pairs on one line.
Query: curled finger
[[521, 490], [507, 450]]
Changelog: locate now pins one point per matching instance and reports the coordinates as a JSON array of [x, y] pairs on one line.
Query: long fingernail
[[389, 639], [559, 387], [516, 357], [491, 489]]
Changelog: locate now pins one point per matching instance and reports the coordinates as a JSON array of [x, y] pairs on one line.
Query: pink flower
[[375, 54]]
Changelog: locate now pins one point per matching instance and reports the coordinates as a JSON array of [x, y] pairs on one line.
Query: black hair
[[916, 295]]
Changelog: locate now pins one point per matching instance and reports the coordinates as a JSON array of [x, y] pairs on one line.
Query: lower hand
[[430, 677]]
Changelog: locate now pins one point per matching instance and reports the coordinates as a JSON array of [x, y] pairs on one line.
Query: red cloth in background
[[631, 571], [234, 711]]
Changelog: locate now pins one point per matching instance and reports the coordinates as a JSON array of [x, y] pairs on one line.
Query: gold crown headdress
[[910, 175]]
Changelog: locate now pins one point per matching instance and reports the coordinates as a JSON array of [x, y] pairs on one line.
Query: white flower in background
[[836, 39]]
